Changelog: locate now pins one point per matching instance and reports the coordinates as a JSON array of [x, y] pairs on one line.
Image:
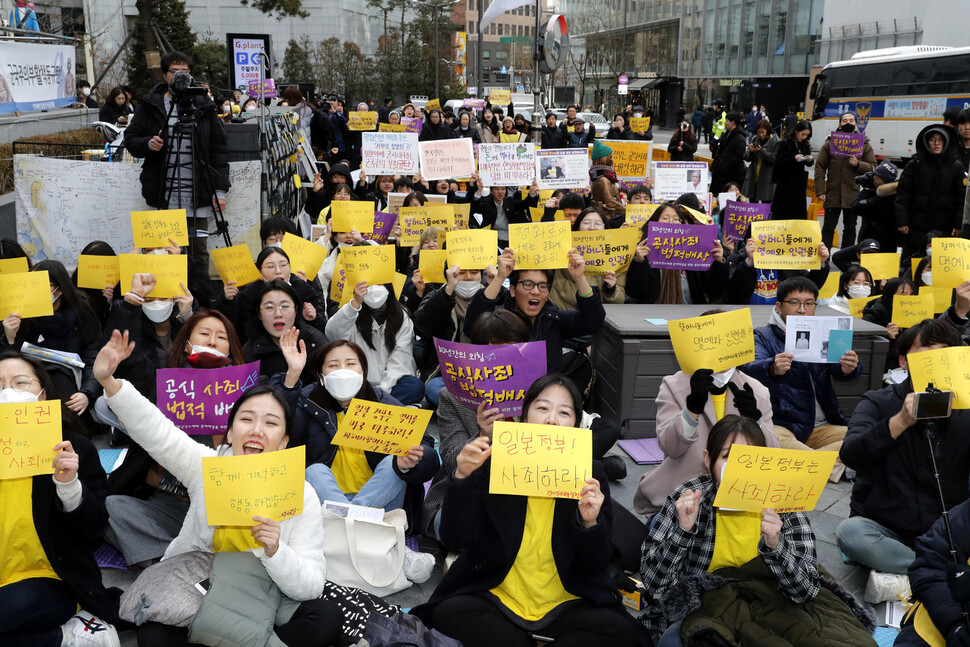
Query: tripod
[[183, 166]]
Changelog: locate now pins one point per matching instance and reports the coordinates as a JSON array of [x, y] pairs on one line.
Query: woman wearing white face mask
[[688, 406], [73, 328], [340, 473], [854, 283], [379, 324], [48, 525]]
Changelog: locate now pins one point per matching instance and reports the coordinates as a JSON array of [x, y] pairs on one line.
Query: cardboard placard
[[154, 228], [381, 428], [28, 433], [945, 369], [432, 264], [909, 310], [98, 272], [881, 265], [472, 249], [540, 460], [305, 256], [446, 158], [361, 120], [170, 271], [787, 244], [785, 480], [414, 220], [198, 400], [541, 245], [675, 246], [14, 265], [389, 153], [352, 215], [717, 342], [235, 264], [607, 250], [270, 484], [371, 263], [951, 262]]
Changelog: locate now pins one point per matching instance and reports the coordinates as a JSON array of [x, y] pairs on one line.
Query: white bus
[[894, 93]]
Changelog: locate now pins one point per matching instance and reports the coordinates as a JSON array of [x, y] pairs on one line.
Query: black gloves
[[701, 383], [745, 402]]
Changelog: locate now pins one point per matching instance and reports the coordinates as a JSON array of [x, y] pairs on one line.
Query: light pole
[[435, 11]]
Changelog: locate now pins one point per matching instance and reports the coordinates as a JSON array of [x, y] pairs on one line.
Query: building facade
[[506, 46]]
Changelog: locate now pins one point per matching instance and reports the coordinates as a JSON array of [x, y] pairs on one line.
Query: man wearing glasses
[[806, 412]]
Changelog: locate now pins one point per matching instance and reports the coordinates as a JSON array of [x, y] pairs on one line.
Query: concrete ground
[[833, 506]]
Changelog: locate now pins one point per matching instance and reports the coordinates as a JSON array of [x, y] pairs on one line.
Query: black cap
[[887, 171], [869, 245]]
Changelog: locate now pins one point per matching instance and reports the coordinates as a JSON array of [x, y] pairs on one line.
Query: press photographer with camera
[[151, 134], [896, 496], [876, 204]]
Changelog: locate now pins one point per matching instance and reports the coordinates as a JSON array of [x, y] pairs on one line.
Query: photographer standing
[[149, 135], [895, 497], [876, 205]]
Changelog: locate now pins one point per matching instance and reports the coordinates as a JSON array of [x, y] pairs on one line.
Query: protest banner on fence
[[389, 153], [676, 246], [36, 76], [500, 376], [717, 342]]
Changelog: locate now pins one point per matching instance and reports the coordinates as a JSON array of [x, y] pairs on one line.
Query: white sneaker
[[886, 587], [87, 630], [418, 566]]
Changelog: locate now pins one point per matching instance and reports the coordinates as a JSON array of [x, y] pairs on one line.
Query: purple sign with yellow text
[[676, 246], [497, 375], [847, 144], [198, 400], [738, 216]]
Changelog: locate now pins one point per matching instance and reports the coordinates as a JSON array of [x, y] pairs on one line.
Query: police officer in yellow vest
[[720, 116]]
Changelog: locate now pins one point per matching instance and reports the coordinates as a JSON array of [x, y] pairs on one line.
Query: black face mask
[[847, 128]]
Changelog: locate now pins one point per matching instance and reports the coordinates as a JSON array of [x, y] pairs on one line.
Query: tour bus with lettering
[[894, 93]]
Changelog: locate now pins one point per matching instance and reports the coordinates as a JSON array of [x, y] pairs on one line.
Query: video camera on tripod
[[184, 88]]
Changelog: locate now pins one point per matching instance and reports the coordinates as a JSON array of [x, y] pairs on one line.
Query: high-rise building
[[506, 45]]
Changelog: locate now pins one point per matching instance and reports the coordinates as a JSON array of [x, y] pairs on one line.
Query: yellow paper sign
[[371, 263], [472, 249], [305, 256], [381, 428], [97, 272], [787, 244], [945, 369], [462, 213], [236, 264], [881, 265], [540, 460], [541, 245], [27, 294], [28, 433], [360, 120], [910, 310], [637, 214], [14, 265], [631, 159], [942, 297], [432, 265], [348, 215], [414, 220], [831, 286], [338, 282], [856, 306], [270, 484], [399, 280], [154, 228], [499, 97], [785, 480], [432, 104], [639, 124], [717, 342], [169, 272], [607, 250], [951, 262], [392, 128]]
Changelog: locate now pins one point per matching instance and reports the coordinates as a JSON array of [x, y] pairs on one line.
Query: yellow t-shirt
[[736, 538], [532, 587], [233, 539], [22, 556], [719, 400], [351, 469]]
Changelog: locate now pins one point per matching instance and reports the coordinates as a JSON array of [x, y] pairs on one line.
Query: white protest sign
[[389, 154], [507, 164]]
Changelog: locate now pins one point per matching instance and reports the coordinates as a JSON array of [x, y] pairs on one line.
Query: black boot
[[615, 468]]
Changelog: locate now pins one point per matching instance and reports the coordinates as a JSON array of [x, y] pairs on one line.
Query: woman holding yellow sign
[[290, 550], [530, 565], [767, 553]]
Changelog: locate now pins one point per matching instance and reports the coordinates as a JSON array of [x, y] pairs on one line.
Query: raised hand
[[113, 353], [688, 505], [472, 456], [143, 284]]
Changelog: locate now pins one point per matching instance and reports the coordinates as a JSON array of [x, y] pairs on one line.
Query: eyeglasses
[[271, 267], [865, 284], [529, 285], [795, 305], [18, 382], [270, 308]]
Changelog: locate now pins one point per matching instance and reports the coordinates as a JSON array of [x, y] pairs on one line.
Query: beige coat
[[835, 176], [563, 292]]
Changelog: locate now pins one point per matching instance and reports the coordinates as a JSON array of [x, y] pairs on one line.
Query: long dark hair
[[266, 252], [177, 355], [69, 419], [395, 314], [88, 325], [671, 289], [729, 427], [805, 146], [9, 248], [319, 395], [585, 212], [96, 300], [543, 383]]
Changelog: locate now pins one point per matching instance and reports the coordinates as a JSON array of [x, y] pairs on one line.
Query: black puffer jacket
[[932, 187], [728, 164], [149, 119]]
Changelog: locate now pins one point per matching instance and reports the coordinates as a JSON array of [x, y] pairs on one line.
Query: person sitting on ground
[[459, 424], [855, 282], [895, 497], [758, 285], [529, 565], [879, 311], [806, 411], [291, 550], [688, 407], [771, 582], [276, 307], [50, 527]]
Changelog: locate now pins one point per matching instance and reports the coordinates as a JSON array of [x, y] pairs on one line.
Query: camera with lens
[[866, 181], [184, 87]]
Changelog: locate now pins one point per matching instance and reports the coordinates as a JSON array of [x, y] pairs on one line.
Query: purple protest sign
[[847, 144], [412, 124], [680, 247], [497, 375], [736, 217], [383, 223], [477, 104], [269, 87], [198, 400]]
